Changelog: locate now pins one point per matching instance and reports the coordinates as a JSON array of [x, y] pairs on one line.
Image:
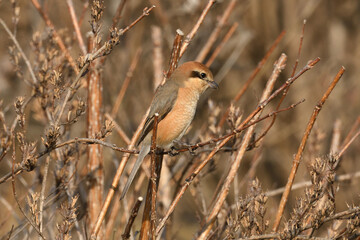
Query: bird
[[175, 103]]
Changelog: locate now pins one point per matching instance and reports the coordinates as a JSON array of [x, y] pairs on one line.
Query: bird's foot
[[182, 145], [173, 151]]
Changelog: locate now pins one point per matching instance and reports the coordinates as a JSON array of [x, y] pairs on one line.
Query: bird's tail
[[145, 149]]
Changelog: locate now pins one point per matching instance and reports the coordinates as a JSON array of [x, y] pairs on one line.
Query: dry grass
[[76, 79]]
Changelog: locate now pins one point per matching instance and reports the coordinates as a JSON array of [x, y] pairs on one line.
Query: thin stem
[[222, 44], [252, 76], [76, 26], [297, 159], [126, 82], [116, 179], [117, 15], [57, 38], [216, 32], [154, 177], [192, 33], [134, 213], [14, 190], [42, 193], [118, 129], [27, 62], [175, 53]]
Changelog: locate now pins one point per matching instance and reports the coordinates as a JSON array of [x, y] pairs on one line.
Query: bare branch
[[301, 148]]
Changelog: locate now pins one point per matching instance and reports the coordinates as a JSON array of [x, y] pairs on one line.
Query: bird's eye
[[203, 75]]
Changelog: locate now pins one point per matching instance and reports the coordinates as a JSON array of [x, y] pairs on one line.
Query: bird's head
[[196, 76]]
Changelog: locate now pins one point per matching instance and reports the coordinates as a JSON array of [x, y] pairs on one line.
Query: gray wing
[[164, 103]]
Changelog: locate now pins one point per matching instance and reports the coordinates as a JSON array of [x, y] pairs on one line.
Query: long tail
[[143, 152]]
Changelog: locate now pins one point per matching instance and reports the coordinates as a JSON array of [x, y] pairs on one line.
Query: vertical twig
[[115, 181], [158, 60], [215, 33], [221, 45], [192, 33], [76, 26], [134, 213], [175, 53], [58, 40], [298, 155], [82, 15], [14, 189], [126, 82], [26, 60], [148, 226], [154, 179], [287, 89], [252, 76], [95, 160], [42, 194], [335, 141], [117, 15]]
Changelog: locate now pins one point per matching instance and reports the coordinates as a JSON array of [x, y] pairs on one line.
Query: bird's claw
[[191, 151], [173, 152], [182, 145]]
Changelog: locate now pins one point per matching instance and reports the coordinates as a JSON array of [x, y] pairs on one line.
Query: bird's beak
[[213, 85]]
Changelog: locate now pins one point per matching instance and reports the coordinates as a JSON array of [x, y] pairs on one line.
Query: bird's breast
[[177, 121]]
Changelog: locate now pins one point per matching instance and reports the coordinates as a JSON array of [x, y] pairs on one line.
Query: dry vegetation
[[76, 79]]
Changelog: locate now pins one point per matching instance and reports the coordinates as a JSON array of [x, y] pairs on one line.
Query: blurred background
[[332, 32]]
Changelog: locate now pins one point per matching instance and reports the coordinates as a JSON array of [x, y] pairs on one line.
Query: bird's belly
[[175, 124]]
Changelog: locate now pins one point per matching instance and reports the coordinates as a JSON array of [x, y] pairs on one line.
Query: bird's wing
[[162, 104]]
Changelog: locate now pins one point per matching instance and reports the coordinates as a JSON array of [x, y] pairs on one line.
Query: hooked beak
[[213, 85]]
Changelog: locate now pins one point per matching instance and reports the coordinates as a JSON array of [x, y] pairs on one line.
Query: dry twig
[[148, 225], [134, 213], [301, 148], [252, 76], [216, 32]]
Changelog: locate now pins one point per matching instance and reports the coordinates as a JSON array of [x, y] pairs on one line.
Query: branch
[[58, 40], [286, 90], [27, 62], [126, 82], [296, 186], [252, 76], [76, 26], [14, 190], [175, 54], [191, 35], [216, 32], [239, 130], [134, 213], [148, 225], [301, 148], [222, 44]]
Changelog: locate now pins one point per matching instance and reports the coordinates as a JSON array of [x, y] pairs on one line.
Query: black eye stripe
[[197, 74]]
